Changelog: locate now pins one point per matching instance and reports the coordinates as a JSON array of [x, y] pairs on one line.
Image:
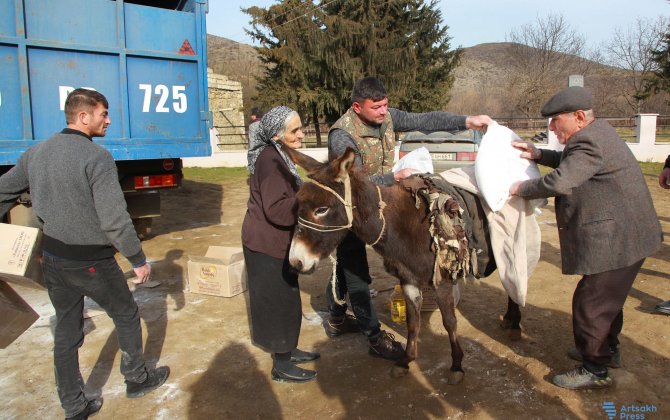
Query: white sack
[[418, 159], [498, 165]]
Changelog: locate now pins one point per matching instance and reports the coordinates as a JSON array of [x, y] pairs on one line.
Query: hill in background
[[480, 84], [238, 61]]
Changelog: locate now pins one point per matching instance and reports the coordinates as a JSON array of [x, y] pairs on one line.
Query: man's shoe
[[301, 356], [338, 325], [155, 378], [384, 345], [285, 371], [663, 307], [580, 378], [91, 409], [614, 363]]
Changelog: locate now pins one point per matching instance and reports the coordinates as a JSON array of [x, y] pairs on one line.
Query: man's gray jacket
[[604, 211]]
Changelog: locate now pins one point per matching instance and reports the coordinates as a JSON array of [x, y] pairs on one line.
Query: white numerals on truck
[[64, 91], [179, 100]]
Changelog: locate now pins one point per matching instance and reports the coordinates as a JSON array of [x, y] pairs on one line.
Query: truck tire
[[143, 227]]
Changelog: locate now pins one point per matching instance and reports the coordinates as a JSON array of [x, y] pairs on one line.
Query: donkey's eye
[[321, 211]]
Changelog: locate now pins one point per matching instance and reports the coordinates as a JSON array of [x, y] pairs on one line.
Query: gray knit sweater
[[75, 191]]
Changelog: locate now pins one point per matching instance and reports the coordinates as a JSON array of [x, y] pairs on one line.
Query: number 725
[[179, 99]]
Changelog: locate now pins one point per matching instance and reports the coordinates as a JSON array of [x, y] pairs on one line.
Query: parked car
[[447, 149]]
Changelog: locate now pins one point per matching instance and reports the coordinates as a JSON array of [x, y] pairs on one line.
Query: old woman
[[274, 295]]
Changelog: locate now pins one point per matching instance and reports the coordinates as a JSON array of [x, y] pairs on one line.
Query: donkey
[[339, 197]]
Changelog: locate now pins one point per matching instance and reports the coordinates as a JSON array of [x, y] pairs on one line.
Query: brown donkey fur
[[405, 243], [403, 240]]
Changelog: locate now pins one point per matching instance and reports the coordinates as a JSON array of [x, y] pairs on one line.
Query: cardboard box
[[20, 255], [221, 272], [17, 316]]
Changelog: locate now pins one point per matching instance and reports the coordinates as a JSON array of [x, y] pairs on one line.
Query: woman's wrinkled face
[[293, 135]]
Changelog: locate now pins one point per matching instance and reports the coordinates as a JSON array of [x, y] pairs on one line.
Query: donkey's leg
[[413, 301], [512, 320], [445, 300]]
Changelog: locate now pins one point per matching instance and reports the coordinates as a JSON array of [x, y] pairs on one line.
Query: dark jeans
[[597, 314], [68, 282], [353, 277]]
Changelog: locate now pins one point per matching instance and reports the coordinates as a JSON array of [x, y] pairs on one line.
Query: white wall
[[237, 158], [645, 150]]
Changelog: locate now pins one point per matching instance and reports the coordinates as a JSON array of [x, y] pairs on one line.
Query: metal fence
[[527, 127]]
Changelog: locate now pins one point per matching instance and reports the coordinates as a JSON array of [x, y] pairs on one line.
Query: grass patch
[[216, 174], [651, 168]]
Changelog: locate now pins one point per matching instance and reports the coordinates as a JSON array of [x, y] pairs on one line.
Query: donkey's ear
[[344, 164], [306, 162]]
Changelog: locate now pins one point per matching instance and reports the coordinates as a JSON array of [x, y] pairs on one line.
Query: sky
[[473, 22]]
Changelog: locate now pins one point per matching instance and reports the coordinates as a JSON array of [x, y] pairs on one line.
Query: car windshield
[[441, 136]]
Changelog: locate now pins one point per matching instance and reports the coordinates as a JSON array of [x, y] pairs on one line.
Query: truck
[[149, 58]]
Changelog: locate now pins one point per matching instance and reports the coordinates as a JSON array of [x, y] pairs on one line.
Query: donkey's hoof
[[398, 371], [505, 324], [515, 334], [455, 378]]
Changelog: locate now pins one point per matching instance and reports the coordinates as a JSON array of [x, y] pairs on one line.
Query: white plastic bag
[[498, 165], [418, 159]]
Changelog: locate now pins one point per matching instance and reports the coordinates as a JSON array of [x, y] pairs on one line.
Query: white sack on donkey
[[498, 165]]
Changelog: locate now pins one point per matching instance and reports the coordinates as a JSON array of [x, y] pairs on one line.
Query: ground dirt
[[217, 373]]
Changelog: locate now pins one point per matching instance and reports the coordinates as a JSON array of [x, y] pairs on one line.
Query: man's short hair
[[368, 88], [257, 112], [82, 99]]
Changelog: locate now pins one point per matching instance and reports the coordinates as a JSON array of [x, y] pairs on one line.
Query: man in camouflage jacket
[[369, 127]]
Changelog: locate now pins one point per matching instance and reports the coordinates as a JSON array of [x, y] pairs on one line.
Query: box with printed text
[[20, 255], [221, 272]]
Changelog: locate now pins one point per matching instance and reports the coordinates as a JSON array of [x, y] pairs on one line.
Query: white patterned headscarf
[[270, 125]]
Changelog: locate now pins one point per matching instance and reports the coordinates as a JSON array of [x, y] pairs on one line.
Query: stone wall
[[225, 102]]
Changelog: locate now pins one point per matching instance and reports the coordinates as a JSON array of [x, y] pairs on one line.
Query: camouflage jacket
[[376, 145]]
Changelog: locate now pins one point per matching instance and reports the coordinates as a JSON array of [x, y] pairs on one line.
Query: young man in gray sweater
[[77, 198]]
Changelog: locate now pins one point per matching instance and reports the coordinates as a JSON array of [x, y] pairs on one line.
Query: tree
[[316, 53], [633, 51], [660, 79], [544, 54]]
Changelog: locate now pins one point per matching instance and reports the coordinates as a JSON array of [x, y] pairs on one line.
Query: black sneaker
[[301, 356], [385, 345], [614, 363], [285, 371], [338, 325], [91, 409], [580, 378], [155, 378]]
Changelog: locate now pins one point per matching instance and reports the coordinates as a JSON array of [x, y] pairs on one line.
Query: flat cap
[[568, 100]]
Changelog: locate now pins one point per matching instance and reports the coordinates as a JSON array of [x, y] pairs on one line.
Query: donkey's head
[[324, 209]]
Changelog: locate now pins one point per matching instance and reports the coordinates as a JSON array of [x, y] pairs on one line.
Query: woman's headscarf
[[271, 123]]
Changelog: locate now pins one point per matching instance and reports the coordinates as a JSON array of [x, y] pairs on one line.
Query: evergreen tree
[[661, 57], [315, 53]]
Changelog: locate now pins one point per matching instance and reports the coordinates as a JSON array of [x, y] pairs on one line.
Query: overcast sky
[[473, 22]]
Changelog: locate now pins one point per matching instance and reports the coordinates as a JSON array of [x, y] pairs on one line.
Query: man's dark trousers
[[597, 314], [68, 281], [353, 277]]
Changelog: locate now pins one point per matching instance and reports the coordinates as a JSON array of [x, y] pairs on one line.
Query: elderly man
[[606, 222]]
